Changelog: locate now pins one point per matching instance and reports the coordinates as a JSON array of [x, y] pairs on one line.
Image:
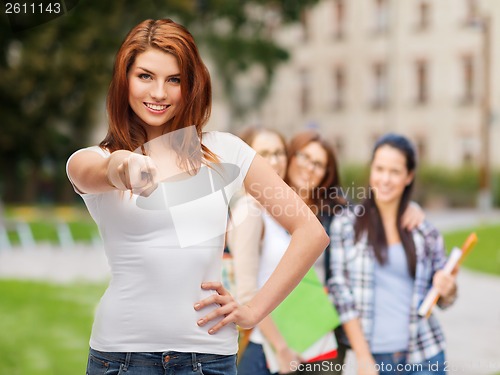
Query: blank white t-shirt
[[160, 249]]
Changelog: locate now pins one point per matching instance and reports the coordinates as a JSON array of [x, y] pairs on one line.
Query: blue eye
[[175, 80], [144, 76]]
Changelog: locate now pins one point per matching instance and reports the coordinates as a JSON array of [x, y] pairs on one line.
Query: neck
[[154, 132], [388, 211]]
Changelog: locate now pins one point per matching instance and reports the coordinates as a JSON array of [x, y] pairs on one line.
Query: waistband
[[161, 359]]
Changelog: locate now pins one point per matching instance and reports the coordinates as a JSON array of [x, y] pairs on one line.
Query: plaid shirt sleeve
[[342, 243], [426, 336], [435, 247]]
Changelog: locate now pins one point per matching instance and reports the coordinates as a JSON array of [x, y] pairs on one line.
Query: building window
[[421, 146], [339, 146], [468, 148], [305, 84], [380, 86], [339, 85], [471, 12], [339, 19], [423, 21], [304, 21], [375, 136], [468, 79], [422, 85], [381, 16]]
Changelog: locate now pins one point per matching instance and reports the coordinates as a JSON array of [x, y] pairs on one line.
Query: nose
[[158, 92], [273, 159], [386, 177], [309, 166]]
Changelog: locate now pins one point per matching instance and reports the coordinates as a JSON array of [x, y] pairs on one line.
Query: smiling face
[[389, 175], [270, 146], [155, 89], [307, 168]]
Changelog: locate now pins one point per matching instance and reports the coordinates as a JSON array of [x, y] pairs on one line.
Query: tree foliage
[[55, 74]]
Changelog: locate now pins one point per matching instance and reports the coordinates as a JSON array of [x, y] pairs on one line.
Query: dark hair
[[327, 194], [125, 128], [371, 221]]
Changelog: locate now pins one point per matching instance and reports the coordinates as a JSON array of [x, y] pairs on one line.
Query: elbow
[[326, 239], [322, 237]]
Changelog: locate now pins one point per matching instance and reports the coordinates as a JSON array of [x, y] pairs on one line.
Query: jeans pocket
[[98, 366], [221, 365]]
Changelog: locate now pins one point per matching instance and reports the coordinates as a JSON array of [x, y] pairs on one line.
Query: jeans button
[[167, 358]]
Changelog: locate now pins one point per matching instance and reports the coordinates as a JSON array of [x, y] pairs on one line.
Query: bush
[[438, 186]]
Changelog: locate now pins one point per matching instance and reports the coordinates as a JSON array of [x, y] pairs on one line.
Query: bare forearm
[[357, 339], [88, 172], [285, 355], [365, 361], [244, 241], [272, 334]]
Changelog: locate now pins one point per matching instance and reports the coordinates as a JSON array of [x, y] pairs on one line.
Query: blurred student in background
[[314, 175], [258, 242], [381, 272]]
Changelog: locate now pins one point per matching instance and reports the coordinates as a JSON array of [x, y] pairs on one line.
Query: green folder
[[306, 315]]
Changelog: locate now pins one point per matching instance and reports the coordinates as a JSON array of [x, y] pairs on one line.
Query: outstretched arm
[[123, 170]]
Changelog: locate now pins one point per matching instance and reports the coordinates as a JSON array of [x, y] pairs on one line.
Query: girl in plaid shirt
[[380, 272]]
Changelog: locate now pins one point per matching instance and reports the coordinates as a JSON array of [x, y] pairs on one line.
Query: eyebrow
[[150, 72], [146, 70], [311, 158]]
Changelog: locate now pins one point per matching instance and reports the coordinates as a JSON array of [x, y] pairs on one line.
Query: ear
[[410, 178]]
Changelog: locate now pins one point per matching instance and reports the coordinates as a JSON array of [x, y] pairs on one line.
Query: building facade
[[361, 68]]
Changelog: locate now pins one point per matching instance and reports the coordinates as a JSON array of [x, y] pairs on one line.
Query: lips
[[156, 107], [383, 190]]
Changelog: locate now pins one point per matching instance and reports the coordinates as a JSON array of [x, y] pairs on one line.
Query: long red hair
[[126, 130]]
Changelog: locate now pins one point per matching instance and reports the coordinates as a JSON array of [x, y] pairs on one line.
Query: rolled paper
[[455, 259]]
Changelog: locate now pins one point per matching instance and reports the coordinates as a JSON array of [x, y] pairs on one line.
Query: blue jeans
[[166, 363], [395, 363], [253, 361]]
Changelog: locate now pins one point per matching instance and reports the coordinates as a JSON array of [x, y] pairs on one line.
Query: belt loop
[[128, 357], [193, 362]]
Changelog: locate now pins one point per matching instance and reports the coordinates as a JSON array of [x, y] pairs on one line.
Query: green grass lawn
[[45, 327], [485, 257]]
